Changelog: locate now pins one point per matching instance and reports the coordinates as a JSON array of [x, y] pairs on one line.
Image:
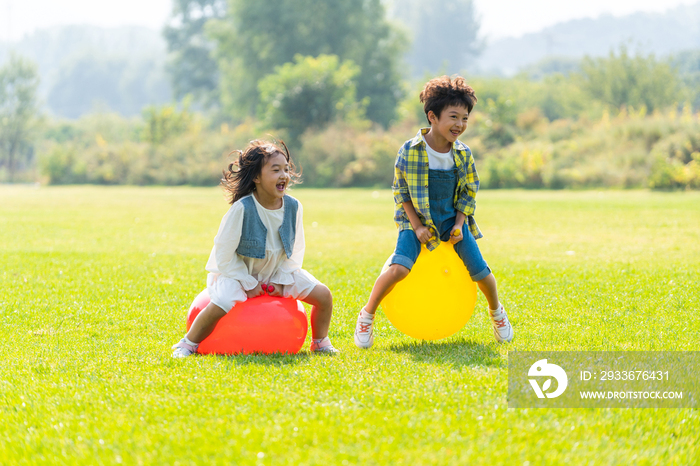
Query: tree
[[311, 92], [256, 36], [636, 81], [193, 69], [687, 65], [18, 110]]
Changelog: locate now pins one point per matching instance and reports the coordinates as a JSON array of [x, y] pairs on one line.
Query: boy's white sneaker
[[364, 334], [502, 329], [182, 349]]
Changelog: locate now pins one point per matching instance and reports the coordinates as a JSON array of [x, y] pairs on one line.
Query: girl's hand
[[423, 234], [456, 236], [255, 292], [274, 289]]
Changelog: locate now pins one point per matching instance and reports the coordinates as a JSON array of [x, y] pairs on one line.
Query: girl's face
[[274, 177]]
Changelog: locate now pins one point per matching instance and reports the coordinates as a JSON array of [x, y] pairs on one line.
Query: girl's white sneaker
[[323, 346], [182, 349]]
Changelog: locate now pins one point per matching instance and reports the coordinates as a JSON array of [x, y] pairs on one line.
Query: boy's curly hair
[[444, 91], [238, 178]]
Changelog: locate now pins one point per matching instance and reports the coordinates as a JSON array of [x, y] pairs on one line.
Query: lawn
[[95, 283]]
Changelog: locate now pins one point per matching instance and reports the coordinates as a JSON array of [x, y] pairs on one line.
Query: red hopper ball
[[265, 324]]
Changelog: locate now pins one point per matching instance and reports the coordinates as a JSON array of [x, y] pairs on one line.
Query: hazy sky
[[499, 18]]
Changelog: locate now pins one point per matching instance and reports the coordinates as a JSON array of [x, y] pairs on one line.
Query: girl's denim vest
[[254, 233]]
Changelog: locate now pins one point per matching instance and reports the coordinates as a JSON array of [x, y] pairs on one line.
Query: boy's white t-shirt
[[439, 160]]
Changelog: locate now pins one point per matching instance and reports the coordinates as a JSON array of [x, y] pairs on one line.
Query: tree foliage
[[312, 92], [687, 66], [258, 36], [18, 111], [636, 81], [192, 66]]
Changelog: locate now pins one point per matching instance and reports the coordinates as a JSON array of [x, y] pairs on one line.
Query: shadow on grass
[[260, 359], [456, 353]]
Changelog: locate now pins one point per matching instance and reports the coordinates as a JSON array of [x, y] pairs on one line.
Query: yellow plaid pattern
[[411, 184]]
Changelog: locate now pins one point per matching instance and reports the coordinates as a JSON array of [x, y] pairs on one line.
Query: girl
[[260, 247]]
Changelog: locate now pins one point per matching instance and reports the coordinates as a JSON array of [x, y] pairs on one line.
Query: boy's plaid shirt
[[411, 184]]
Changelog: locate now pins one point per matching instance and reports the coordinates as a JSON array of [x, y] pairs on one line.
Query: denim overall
[[442, 185], [254, 232]]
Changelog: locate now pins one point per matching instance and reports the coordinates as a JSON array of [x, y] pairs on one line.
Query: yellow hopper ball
[[436, 299]]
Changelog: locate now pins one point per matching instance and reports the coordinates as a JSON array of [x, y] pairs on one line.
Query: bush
[[676, 162], [628, 149], [631, 150], [310, 93], [348, 155], [194, 157]]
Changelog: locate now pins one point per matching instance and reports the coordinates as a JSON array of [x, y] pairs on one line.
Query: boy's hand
[[423, 234], [456, 236], [255, 292], [274, 290]]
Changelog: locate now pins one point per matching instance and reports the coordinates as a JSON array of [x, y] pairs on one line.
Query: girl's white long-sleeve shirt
[[275, 267]]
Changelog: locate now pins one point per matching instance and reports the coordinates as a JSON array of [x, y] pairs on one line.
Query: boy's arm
[[466, 204], [399, 187], [422, 232], [402, 196], [459, 221], [456, 233]]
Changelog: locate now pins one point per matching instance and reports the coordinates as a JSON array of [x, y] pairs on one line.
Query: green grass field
[[95, 284]]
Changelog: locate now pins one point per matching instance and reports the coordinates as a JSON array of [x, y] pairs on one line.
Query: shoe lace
[[501, 323], [365, 327]]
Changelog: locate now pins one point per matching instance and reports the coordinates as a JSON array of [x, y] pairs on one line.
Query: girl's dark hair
[[238, 177], [444, 91]]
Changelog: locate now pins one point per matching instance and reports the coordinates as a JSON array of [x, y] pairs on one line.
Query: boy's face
[[451, 123]]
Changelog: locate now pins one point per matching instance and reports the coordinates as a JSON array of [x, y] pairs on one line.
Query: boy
[[435, 184]]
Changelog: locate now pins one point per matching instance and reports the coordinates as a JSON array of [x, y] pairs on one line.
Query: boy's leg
[[502, 328], [386, 282], [469, 252], [489, 287], [407, 251]]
